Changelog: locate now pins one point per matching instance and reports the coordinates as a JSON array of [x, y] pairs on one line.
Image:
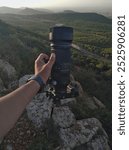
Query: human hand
[[42, 69]]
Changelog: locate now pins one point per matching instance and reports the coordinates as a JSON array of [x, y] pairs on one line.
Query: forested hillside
[[19, 46], [23, 37]]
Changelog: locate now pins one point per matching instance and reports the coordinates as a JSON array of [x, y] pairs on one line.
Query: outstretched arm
[[13, 104]]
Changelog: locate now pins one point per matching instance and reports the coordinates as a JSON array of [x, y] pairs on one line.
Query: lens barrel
[[60, 42]]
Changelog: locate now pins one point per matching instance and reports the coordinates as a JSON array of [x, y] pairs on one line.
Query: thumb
[[51, 60]]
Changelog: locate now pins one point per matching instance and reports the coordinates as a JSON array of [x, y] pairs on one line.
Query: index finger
[[41, 57]]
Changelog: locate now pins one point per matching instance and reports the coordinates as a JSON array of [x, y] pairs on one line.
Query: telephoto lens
[[60, 42]]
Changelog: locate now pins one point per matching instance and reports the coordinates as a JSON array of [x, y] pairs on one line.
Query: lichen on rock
[[39, 110], [63, 117]]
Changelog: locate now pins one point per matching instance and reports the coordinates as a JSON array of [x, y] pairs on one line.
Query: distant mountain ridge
[[22, 11], [29, 11], [5, 10], [35, 11], [69, 11]]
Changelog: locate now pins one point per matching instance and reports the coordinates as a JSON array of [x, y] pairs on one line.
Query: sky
[[57, 3]]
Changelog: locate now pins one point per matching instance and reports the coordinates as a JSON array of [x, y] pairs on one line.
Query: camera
[[61, 38]]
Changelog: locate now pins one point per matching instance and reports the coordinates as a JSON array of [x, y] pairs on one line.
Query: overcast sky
[[56, 3]]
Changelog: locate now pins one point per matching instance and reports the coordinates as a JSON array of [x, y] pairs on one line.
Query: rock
[[73, 134], [13, 84], [1, 139], [7, 73], [39, 110], [83, 132], [24, 79], [63, 117], [68, 101], [81, 92], [28, 132], [7, 69], [94, 103], [98, 143], [9, 147], [73, 81], [2, 88], [90, 103], [98, 103], [72, 77]]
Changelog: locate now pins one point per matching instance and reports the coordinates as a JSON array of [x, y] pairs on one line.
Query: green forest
[[24, 37]]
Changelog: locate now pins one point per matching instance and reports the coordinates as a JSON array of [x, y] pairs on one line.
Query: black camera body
[[61, 38]]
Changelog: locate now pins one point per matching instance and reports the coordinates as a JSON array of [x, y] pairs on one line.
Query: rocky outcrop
[[39, 110], [68, 101], [24, 79], [8, 73], [63, 117], [92, 102], [86, 131], [13, 85], [73, 133], [8, 69], [1, 139], [2, 88], [98, 103]]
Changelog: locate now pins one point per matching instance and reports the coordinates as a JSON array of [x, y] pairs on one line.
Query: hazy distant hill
[[29, 11], [22, 11], [44, 10], [71, 15], [69, 11], [5, 10]]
